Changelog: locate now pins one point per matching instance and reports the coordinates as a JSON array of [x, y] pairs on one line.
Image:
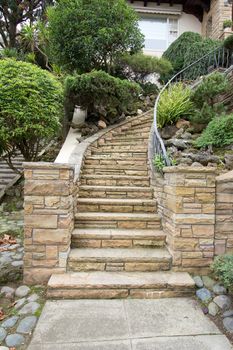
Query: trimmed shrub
[[227, 23], [219, 133], [223, 269], [228, 43], [30, 108], [137, 67], [102, 94], [174, 104], [177, 50]]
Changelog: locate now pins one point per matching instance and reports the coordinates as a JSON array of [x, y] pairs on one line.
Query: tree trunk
[[12, 35]]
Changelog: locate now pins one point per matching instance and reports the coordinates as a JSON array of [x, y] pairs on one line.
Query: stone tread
[[117, 216], [104, 233], [115, 280], [119, 254], [113, 177], [116, 201], [116, 188]]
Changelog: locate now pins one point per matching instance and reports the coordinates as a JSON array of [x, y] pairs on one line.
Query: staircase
[[118, 248]]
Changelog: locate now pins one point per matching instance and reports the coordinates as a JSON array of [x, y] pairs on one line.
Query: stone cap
[[189, 169], [47, 165]]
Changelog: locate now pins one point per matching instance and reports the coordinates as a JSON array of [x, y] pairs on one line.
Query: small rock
[[26, 325], [203, 294], [10, 322], [229, 161], [205, 310], [228, 324], [139, 111], [14, 246], [227, 313], [3, 334], [218, 289], [185, 161], [208, 282], [14, 340], [102, 124], [7, 291], [33, 297], [223, 301], [198, 281], [182, 123], [29, 308], [22, 291], [17, 263], [20, 303], [213, 309], [168, 131], [179, 144], [196, 164], [186, 136]]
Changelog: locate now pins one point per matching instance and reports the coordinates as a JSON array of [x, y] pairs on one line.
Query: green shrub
[[103, 94], [177, 50], [149, 89], [86, 35], [196, 51], [30, 108], [210, 87], [174, 104], [138, 66], [219, 133], [207, 113], [223, 269], [227, 23], [228, 43]]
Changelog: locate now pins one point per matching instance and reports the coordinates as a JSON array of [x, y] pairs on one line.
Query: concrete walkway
[[164, 324]]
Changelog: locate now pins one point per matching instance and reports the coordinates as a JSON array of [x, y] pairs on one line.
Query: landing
[[126, 325]]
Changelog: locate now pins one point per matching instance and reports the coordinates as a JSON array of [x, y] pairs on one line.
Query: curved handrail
[[159, 147]]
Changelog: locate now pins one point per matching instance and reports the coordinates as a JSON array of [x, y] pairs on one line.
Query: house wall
[[220, 10]]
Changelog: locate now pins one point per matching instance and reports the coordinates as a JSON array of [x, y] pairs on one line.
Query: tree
[[14, 13], [90, 34], [31, 102]]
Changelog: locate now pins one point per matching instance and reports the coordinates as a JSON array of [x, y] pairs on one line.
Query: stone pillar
[[189, 216], [224, 214], [48, 220]]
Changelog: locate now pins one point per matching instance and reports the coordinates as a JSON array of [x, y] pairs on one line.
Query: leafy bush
[[149, 89], [210, 87], [30, 108], [207, 113], [138, 66], [174, 104], [177, 50], [227, 23], [223, 269], [219, 133], [228, 43], [102, 94], [86, 35]]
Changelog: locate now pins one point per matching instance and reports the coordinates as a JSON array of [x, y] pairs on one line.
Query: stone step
[[114, 160], [116, 285], [132, 134], [115, 180], [121, 154], [125, 142], [116, 238], [121, 148], [128, 139], [115, 192], [119, 259], [108, 170], [118, 220], [116, 205]]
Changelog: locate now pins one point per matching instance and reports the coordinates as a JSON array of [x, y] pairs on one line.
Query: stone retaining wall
[[49, 204]]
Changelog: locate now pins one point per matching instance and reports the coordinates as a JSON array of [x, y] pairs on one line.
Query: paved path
[[164, 324]]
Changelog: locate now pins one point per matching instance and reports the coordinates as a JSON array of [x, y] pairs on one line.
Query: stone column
[[224, 214], [189, 216], [48, 220]]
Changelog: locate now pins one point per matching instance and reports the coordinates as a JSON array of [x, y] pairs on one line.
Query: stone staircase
[[7, 176], [118, 248]]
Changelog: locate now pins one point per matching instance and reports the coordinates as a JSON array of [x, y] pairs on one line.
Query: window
[[159, 32]]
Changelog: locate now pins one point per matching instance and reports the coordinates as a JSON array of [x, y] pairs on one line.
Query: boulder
[[102, 124], [198, 281], [168, 132], [182, 123], [213, 309], [223, 301], [204, 295]]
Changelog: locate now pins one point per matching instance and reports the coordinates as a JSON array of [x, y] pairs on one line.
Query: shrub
[[223, 269], [174, 104], [177, 50], [227, 23], [86, 35], [207, 113], [219, 133], [228, 43], [30, 108], [102, 94], [138, 66], [210, 87]]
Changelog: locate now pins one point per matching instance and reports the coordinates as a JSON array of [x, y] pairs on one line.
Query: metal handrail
[[214, 60]]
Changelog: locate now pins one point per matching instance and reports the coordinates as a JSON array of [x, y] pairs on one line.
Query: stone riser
[[118, 154], [118, 148], [99, 171], [115, 182], [116, 208], [134, 135], [130, 266], [140, 163], [117, 194], [117, 293], [118, 224], [117, 243], [121, 140]]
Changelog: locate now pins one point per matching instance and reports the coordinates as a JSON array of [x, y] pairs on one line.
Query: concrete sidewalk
[[162, 324]]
